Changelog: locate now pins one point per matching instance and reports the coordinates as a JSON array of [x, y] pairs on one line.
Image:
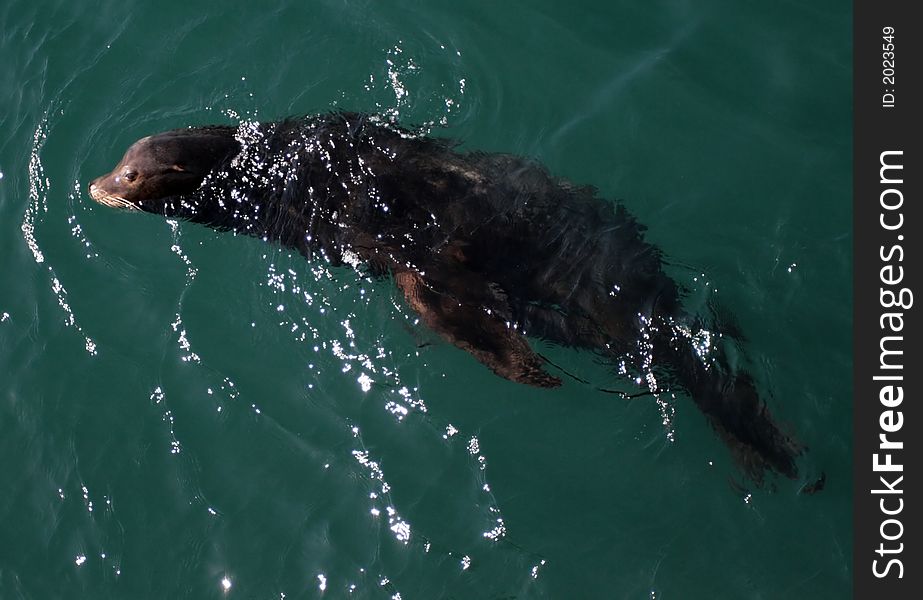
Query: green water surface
[[186, 414]]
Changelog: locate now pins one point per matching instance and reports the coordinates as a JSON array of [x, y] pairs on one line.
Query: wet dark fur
[[483, 246]]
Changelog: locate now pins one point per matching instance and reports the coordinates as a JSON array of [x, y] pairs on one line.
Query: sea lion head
[[161, 167]]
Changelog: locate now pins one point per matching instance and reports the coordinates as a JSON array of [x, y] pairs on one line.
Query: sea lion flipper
[[473, 329]]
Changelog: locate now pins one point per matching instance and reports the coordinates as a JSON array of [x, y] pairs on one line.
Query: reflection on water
[[230, 420], [306, 302], [39, 186]]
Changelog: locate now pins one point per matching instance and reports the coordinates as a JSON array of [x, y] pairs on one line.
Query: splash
[[76, 229], [182, 340], [399, 527], [158, 397], [39, 188], [39, 185], [403, 74]]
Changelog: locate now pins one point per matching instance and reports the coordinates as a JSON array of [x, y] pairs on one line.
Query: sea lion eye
[[130, 176]]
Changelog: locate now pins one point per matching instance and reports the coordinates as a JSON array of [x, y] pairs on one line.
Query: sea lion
[[487, 248]]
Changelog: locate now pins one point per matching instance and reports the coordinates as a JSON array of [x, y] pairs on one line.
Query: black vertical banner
[[888, 369]]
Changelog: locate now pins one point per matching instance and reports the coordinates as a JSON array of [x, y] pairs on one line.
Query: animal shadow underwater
[[487, 248]]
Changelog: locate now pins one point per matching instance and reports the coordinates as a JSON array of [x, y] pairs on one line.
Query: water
[[186, 414]]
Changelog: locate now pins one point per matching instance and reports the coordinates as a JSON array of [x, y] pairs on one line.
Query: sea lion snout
[[96, 191], [99, 192]]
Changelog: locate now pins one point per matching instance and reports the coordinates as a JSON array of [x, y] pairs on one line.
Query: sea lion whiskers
[[111, 200]]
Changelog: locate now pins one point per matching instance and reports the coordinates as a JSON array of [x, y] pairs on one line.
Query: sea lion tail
[[734, 408]]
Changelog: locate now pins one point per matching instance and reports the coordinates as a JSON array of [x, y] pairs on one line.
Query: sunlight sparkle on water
[[395, 409], [401, 529], [365, 382], [225, 583], [497, 532]]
